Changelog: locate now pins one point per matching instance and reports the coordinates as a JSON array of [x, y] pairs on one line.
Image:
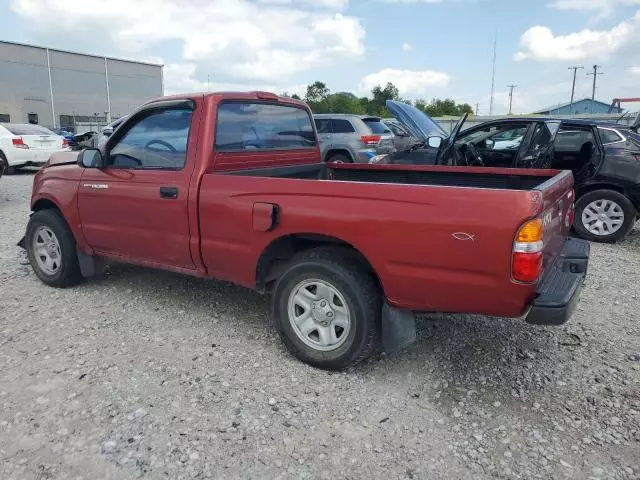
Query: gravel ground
[[150, 374]]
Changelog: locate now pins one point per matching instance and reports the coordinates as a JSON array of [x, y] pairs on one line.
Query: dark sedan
[[604, 159]]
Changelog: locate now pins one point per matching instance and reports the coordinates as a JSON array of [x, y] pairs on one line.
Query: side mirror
[[489, 144], [434, 142], [107, 131], [90, 158]]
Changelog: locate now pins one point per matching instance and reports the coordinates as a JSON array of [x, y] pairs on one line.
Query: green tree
[[442, 108], [344, 102], [316, 97], [377, 105]]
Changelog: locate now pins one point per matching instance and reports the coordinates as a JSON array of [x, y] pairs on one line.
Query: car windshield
[[26, 129]]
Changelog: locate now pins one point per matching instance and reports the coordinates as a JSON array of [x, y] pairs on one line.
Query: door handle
[[168, 192]]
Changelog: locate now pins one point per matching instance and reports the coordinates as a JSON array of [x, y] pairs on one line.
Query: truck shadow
[[470, 349]]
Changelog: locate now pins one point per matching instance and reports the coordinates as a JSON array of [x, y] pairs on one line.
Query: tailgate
[[557, 214]]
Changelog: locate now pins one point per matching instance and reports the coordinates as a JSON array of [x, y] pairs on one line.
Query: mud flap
[[89, 265], [398, 328], [22, 243]]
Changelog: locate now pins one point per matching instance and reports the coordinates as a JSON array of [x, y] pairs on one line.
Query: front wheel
[[326, 308], [51, 249], [604, 216]]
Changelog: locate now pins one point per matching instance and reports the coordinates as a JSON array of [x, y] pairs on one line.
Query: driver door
[[136, 207]]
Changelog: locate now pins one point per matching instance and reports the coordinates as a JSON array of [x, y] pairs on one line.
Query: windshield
[[419, 123]]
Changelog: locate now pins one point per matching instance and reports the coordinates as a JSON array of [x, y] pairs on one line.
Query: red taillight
[[526, 263], [19, 143], [527, 266], [65, 143], [370, 139]]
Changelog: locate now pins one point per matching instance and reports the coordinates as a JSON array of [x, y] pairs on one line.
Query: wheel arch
[[338, 151], [592, 187], [44, 204], [275, 257]]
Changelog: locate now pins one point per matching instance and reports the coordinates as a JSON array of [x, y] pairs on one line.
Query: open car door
[[540, 152]]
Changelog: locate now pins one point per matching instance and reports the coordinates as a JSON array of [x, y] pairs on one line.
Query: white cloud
[[602, 7], [264, 40], [635, 71], [540, 43], [181, 78], [409, 82], [406, 47]]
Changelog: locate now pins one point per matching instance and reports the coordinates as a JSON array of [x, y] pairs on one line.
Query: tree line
[[322, 100]]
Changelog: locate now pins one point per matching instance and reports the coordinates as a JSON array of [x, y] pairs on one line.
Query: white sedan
[[25, 145]]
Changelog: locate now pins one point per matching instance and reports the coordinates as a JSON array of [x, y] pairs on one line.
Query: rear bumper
[[559, 291]]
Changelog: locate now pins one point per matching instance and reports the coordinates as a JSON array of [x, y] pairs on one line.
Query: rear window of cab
[[243, 126]]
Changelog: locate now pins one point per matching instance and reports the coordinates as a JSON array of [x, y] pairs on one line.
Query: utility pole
[[511, 87], [573, 87], [477, 108], [595, 79]]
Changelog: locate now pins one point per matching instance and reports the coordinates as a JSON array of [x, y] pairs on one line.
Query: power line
[[595, 79], [511, 87], [573, 87]]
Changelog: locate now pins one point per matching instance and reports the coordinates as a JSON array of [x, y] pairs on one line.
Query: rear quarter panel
[[433, 248]]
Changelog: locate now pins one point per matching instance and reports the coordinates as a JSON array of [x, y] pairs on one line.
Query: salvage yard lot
[[140, 373]]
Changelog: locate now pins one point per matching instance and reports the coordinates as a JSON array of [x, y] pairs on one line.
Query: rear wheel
[[339, 158], [5, 168], [604, 216], [327, 309], [51, 249]]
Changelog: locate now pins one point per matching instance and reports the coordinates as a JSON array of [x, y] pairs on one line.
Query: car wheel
[[327, 309], [604, 216], [339, 158], [51, 249], [5, 168]]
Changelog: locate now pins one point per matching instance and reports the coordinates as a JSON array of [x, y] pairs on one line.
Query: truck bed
[[488, 178]]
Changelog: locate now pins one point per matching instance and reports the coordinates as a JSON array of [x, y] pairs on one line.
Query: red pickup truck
[[231, 186]]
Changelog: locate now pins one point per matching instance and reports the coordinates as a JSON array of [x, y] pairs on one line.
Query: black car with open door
[[604, 159]]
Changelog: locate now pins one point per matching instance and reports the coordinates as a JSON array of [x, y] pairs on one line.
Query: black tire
[[358, 288], [68, 272], [5, 169], [339, 158], [628, 209]]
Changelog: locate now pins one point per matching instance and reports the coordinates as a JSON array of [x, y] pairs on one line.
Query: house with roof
[[580, 107]]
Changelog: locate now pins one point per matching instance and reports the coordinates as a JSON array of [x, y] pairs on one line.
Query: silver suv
[[352, 138]]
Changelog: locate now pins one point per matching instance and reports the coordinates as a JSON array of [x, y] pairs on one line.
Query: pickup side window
[[157, 141], [263, 126]]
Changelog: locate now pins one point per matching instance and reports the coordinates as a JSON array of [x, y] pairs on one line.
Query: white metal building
[[57, 88]]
